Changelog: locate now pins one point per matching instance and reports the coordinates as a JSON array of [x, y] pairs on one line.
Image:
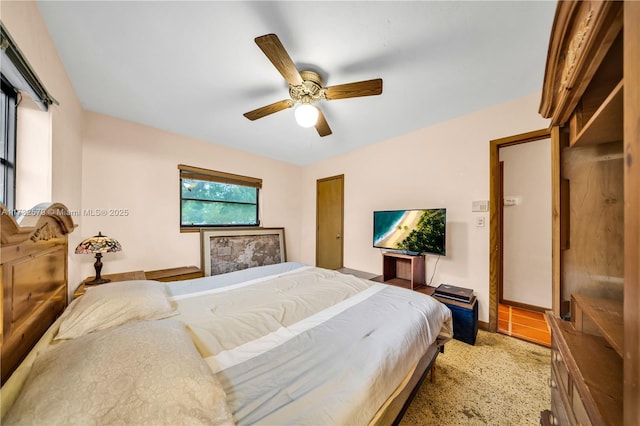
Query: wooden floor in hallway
[[524, 324]]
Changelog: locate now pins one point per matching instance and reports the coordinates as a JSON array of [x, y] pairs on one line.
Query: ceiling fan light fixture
[[306, 115], [306, 88]]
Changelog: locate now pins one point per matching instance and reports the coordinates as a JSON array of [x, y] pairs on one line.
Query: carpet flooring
[[499, 381]]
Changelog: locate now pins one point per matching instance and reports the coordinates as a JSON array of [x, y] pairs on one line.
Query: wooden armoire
[[591, 93]]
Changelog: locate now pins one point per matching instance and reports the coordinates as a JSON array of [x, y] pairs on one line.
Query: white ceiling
[[193, 68]]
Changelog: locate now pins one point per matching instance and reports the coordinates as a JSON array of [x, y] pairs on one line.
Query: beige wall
[[121, 165], [445, 165], [25, 24], [527, 224], [127, 166], [33, 176]]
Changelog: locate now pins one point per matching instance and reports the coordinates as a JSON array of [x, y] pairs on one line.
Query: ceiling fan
[[306, 89]]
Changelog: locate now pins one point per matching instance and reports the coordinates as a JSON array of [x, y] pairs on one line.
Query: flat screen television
[[416, 231]]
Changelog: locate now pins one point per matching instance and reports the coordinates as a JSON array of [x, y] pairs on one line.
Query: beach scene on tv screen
[[420, 231]]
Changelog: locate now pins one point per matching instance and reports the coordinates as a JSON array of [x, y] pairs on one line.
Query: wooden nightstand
[[164, 275], [175, 274], [123, 276]]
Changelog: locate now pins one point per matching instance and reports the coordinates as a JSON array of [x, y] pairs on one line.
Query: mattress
[[294, 344]]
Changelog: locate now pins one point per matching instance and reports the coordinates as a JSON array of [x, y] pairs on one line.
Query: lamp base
[[98, 281]]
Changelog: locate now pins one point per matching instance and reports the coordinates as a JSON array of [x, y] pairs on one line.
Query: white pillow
[[142, 373], [112, 304]]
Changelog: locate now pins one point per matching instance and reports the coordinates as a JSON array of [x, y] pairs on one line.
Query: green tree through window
[[209, 198]]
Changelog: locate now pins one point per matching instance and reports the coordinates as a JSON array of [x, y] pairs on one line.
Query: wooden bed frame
[[33, 278], [397, 405]]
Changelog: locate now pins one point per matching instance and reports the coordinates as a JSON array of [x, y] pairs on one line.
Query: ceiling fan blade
[[321, 125], [269, 109], [354, 90], [275, 51]]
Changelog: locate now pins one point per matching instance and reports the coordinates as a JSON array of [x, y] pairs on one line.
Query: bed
[[279, 344]]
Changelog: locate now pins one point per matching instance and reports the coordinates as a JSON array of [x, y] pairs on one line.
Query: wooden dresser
[[586, 364], [591, 93]]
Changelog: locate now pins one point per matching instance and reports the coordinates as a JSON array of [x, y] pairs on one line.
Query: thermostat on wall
[[479, 206]]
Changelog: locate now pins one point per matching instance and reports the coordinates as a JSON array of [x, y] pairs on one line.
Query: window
[[17, 77], [210, 198], [8, 145]]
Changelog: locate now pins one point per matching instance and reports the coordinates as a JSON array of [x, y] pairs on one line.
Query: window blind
[[19, 73], [190, 172]]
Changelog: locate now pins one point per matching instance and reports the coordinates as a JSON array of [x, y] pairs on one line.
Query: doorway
[[329, 222], [521, 223]]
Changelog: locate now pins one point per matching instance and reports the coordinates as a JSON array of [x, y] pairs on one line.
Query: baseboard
[[525, 306], [483, 325]]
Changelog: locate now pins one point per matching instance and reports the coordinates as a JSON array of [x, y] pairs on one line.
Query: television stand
[[403, 270]]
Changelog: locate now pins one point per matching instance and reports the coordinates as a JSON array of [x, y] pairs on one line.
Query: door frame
[[495, 218], [318, 181]]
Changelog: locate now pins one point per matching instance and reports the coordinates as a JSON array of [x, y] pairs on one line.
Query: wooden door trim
[[500, 247], [318, 181], [495, 231], [557, 140]]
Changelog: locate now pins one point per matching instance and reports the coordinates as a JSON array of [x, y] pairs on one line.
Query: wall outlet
[[480, 221]]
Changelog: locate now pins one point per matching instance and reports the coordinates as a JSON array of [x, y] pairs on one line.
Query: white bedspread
[[305, 345]]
